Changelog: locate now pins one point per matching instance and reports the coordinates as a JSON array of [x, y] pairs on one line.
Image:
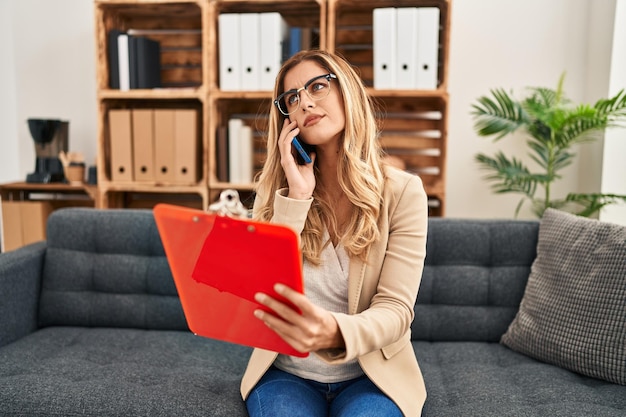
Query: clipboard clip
[[229, 205]]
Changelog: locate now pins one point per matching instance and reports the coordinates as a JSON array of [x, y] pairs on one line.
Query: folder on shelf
[[147, 63], [143, 144], [112, 56], [221, 154], [234, 151], [120, 143], [274, 35], [219, 263], [123, 60], [164, 145], [427, 48], [249, 48], [384, 43], [229, 42], [406, 47], [247, 153], [295, 40], [186, 146]]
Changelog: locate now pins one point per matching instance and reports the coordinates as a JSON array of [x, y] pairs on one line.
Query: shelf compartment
[[254, 113], [413, 132], [297, 13], [105, 153], [177, 26], [148, 198], [350, 33]]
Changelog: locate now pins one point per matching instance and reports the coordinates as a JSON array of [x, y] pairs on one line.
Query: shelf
[[413, 122], [155, 94]]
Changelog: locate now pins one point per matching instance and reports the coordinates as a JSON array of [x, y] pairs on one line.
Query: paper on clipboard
[[219, 263]]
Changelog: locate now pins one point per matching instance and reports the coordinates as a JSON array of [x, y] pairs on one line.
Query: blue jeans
[[281, 394]]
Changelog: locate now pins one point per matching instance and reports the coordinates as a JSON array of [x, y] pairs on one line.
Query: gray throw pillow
[[573, 313]]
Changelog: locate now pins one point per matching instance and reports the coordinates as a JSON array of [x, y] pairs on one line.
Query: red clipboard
[[218, 264]]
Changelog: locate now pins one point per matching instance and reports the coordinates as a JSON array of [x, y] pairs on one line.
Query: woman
[[362, 226]]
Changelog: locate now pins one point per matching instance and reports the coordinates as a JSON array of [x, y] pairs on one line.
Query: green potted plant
[[553, 126]]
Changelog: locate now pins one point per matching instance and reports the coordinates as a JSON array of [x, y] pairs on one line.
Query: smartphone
[[303, 150], [303, 156]]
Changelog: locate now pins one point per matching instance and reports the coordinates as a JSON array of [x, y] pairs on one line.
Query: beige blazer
[[382, 293]]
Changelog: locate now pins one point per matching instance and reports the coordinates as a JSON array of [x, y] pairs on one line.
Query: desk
[[26, 206], [64, 194]]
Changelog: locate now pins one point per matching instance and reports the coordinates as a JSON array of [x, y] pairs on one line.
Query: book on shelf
[[221, 153], [148, 63], [240, 152], [112, 55], [134, 61]]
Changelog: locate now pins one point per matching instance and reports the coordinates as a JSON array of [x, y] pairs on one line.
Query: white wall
[[613, 179], [53, 67], [513, 45], [9, 153], [494, 43]]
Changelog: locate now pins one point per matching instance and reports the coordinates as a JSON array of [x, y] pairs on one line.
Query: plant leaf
[[508, 176], [593, 202], [499, 115]]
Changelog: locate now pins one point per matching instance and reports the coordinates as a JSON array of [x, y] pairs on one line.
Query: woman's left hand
[[313, 329]]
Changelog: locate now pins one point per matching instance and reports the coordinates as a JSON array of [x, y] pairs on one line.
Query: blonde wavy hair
[[360, 169]]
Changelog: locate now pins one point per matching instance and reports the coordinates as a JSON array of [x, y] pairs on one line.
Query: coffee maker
[[51, 137]]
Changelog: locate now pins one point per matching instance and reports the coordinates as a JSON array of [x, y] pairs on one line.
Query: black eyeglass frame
[[330, 76]]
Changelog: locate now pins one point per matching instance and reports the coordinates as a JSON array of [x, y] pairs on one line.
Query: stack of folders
[[406, 48], [235, 152], [252, 47], [157, 146], [134, 61]]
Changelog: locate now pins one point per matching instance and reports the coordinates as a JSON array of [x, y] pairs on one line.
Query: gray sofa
[[91, 325]]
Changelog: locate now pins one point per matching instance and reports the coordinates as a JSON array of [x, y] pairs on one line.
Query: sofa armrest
[[20, 283]]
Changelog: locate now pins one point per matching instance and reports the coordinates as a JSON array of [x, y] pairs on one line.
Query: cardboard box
[[23, 222]]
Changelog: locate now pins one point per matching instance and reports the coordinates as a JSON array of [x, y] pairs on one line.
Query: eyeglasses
[[316, 88]]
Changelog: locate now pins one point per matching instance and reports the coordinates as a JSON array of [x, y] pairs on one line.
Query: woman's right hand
[[301, 178]]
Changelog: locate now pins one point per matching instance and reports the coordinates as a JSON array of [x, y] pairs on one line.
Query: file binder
[[249, 48], [384, 43], [164, 148], [406, 48], [123, 61], [234, 151], [219, 263], [147, 63], [247, 153], [143, 145], [120, 142], [274, 34], [186, 146], [230, 61], [427, 48], [112, 55]]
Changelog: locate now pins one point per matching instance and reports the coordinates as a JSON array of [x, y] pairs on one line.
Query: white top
[[326, 286]]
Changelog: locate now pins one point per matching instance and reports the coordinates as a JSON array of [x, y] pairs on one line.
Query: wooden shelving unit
[[413, 122]]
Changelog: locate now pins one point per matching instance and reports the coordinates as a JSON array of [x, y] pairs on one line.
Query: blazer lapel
[[356, 277]]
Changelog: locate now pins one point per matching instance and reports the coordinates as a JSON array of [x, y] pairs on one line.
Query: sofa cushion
[[573, 313], [474, 278], [71, 371], [489, 380], [107, 270]]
